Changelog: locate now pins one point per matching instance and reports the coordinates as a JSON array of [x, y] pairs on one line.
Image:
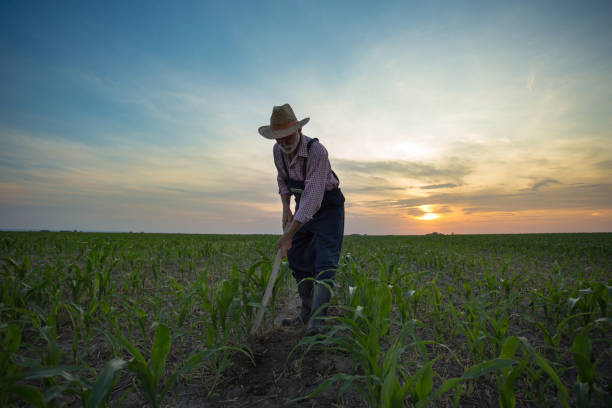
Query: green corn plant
[[52, 354], [51, 390], [404, 300], [411, 329], [353, 274], [18, 374], [491, 281], [553, 300], [436, 296], [97, 395], [390, 391], [419, 385], [378, 385], [544, 365], [185, 299], [76, 283], [149, 375], [224, 312], [511, 285], [424, 383], [253, 283], [383, 388], [14, 274], [467, 288], [496, 365], [104, 280], [474, 330], [507, 376], [590, 300], [499, 328], [585, 389], [217, 302], [454, 317], [92, 394], [581, 353], [76, 317], [360, 335], [552, 339], [252, 286], [10, 372]]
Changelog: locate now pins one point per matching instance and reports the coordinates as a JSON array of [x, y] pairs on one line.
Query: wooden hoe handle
[[268, 292]]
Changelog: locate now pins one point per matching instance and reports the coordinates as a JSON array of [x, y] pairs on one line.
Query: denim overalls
[[315, 248]]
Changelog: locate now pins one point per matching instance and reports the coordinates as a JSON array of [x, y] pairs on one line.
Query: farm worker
[[313, 239]]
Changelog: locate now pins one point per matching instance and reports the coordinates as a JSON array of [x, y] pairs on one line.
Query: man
[[313, 235]]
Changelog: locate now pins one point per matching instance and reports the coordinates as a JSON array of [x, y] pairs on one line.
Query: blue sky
[[474, 117]]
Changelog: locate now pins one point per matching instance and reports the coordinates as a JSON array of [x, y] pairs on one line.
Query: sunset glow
[[491, 118]]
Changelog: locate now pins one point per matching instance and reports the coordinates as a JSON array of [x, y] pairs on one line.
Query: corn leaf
[[445, 387], [104, 383], [581, 352], [161, 347], [424, 384], [28, 393], [487, 367]]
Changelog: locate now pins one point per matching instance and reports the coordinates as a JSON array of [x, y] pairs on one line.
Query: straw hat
[[282, 123]]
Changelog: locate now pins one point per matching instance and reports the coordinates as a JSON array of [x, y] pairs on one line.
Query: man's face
[[289, 143]]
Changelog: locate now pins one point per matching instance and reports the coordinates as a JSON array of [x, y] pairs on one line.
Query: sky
[[454, 117]]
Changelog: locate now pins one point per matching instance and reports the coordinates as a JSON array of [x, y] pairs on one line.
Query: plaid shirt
[[319, 176]]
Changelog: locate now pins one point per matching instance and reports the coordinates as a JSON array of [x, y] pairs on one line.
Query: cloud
[[443, 210], [419, 212], [583, 197], [378, 189], [413, 211], [473, 210], [454, 169], [438, 186], [606, 164], [39, 172], [544, 183]]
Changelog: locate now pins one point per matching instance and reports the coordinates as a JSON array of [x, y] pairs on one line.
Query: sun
[[428, 213]]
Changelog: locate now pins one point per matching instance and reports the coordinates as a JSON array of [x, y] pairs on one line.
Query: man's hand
[[287, 217], [284, 244]]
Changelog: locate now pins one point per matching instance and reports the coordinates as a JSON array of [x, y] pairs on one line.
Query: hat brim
[[268, 133]]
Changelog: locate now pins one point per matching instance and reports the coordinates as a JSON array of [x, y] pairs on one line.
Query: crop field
[[162, 320]]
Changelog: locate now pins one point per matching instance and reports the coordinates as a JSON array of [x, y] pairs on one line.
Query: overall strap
[[311, 141], [284, 164]]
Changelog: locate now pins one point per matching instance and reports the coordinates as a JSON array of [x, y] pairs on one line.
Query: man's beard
[[291, 148]]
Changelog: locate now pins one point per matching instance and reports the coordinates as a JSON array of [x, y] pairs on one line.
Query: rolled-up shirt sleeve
[[317, 173], [280, 171]]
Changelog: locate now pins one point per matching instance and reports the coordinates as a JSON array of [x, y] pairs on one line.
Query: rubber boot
[[320, 299], [305, 292]]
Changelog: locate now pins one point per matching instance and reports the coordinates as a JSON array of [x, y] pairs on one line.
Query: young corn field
[[97, 319]]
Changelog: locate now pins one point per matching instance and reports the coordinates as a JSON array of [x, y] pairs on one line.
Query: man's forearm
[[286, 200], [293, 228]]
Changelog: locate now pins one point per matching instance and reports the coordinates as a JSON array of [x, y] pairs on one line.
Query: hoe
[[268, 292]]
